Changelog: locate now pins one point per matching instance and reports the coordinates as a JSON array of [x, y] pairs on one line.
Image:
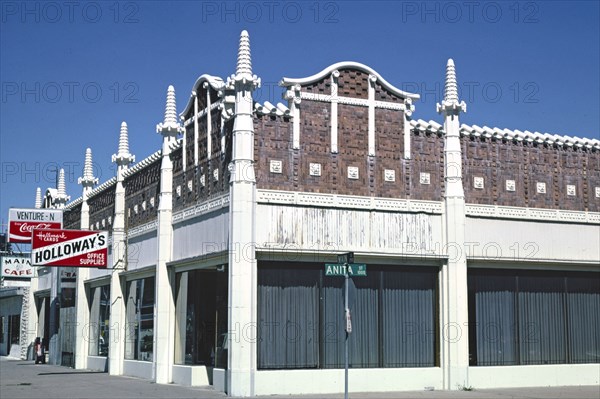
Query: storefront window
[[201, 321], [139, 333], [301, 321], [99, 321], [521, 317], [14, 327]]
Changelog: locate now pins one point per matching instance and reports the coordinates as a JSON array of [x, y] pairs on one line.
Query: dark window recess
[[533, 317], [301, 321]]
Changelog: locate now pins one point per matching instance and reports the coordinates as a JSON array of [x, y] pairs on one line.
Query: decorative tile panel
[[314, 169], [275, 166], [510, 185], [540, 187], [389, 175]]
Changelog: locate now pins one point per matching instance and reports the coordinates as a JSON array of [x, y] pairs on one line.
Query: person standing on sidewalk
[[40, 356]]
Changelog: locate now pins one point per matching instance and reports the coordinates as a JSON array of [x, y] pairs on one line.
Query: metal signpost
[[347, 268]]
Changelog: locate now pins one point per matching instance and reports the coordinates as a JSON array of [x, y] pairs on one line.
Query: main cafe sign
[[21, 222], [16, 266]]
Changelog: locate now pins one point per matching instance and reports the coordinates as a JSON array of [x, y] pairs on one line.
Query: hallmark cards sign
[[21, 222], [75, 248], [16, 266]]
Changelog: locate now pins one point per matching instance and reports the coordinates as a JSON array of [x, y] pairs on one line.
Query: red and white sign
[[76, 248], [21, 222], [16, 266]]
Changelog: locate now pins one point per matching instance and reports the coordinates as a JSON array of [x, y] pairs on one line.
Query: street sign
[[79, 248], [339, 269], [348, 257]]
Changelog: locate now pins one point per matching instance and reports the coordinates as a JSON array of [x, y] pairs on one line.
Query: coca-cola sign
[[21, 222]]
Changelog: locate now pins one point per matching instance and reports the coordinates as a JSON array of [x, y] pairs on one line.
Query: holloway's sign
[[21, 222], [77, 248], [16, 266]]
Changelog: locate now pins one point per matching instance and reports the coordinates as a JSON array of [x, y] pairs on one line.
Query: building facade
[[481, 244]]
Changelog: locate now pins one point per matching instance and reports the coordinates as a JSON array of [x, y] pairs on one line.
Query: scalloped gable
[[347, 65], [214, 81]]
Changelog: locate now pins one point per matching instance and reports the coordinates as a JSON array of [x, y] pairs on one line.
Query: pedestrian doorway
[[201, 322]]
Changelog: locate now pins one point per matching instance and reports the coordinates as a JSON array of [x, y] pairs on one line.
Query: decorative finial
[[243, 72], [451, 104], [61, 188], [170, 126], [88, 180], [244, 61], [451, 90], [123, 157], [60, 185], [38, 198]]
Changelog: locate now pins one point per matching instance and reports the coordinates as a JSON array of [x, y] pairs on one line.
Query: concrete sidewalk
[[21, 379]]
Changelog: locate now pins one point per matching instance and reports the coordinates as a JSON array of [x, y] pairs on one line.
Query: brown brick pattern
[[142, 186], [72, 218], [353, 83], [527, 164], [102, 206]]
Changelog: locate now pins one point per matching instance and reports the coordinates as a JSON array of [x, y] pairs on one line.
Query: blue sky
[[72, 71]]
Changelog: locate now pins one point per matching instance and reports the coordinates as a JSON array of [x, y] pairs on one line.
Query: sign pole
[[347, 314]]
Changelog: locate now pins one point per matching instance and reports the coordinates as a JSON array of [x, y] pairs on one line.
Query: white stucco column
[[116, 347], [242, 260], [164, 322], [454, 329], [87, 181]]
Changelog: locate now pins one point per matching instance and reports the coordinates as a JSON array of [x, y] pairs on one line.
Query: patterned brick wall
[[72, 218], [210, 178], [102, 207], [353, 83], [140, 190], [530, 165], [273, 141]]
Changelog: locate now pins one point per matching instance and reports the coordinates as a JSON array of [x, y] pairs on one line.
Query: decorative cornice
[[348, 201], [143, 163], [110, 182], [269, 109], [406, 106], [143, 229], [287, 82], [214, 81], [507, 134], [511, 212], [74, 203], [200, 209]]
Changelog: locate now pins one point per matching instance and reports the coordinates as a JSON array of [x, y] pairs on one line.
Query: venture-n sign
[[21, 222], [77, 248]]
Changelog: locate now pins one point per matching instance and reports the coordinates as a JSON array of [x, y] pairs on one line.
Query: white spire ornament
[[123, 157], [451, 104], [38, 198], [61, 197], [88, 179], [243, 71], [170, 127]]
